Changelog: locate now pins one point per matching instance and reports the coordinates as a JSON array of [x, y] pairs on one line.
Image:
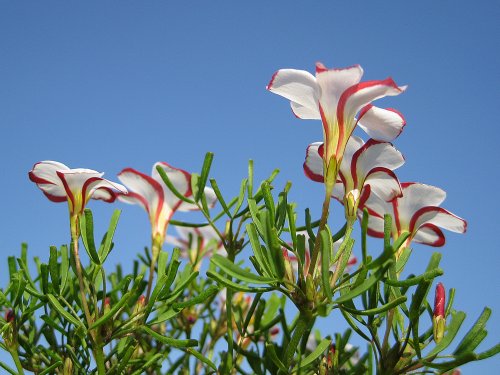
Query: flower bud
[[10, 316], [289, 275], [351, 201], [310, 290], [439, 319]]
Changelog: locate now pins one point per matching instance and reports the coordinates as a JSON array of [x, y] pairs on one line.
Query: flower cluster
[[361, 174]]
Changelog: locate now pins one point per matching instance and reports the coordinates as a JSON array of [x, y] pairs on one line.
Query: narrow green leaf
[[171, 186], [235, 271], [250, 179], [106, 245], [170, 341], [205, 170], [64, 266], [326, 250], [469, 342], [87, 232], [54, 269], [114, 309], [203, 296], [219, 196], [364, 231], [49, 370], [260, 256], [164, 316], [426, 276], [271, 352], [377, 310], [367, 284], [353, 325], [241, 197], [320, 349], [231, 284], [69, 317], [7, 368], [202, 358], [451, 331]]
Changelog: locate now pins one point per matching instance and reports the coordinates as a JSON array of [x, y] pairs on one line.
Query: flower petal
[[439, 217], [333, 83], [44, 174], [144, 190], [181, 181], [298, 86], [384, 183], [305, 113], [313, 165], [381, 124], [375, 155], [429, 234], [361, 94], [417, 196]]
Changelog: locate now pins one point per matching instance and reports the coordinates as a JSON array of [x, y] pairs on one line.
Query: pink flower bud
[[439, 301], [141, 300], [9, 316]]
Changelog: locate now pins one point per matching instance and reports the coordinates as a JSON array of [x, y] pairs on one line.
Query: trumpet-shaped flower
[[416, 212], [336, 96], [366, 168], [76, 186], [196, 242], [153, 195]]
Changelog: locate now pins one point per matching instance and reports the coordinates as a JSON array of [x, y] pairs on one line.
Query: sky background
[[109, 85]]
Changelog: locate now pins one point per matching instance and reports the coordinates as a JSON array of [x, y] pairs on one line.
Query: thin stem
[[155, 249], [15, 356], [342, 248]]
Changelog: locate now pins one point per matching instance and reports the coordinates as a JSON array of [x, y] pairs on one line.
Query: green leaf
[[64, 266], [451, 331], [364, 286], [241, 197], [377, 310], [107, 242], [231, 284], [250, 179], [54, 269], [203, 296], [219, 196], [260, 255], [171, 186], [164, 316], [326, 249], [205, 170], [474, 337], [202, 358], [87, 232], [271, 352], [426, 276], [322, 346], [61, 310], [235, 271], [169, 341], [49, 370], [114, 309]]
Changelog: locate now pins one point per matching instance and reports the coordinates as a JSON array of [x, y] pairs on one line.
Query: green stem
[[99, 359], [303, 324], [342, 248], [155, 249], [17, 361]]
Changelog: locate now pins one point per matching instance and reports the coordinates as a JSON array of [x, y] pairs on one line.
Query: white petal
[[429, 235], [180, 179], [415, 197], [334, 82], [313, 165], [364, 93], [305, 113], [144, 190], [376, 155], [384, 183], [381, 124], [338, 191], [439, 217], [46, 171], [298, 86]]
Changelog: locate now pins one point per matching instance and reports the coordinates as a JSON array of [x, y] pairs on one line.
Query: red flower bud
[[9, 316], [439, 301], [274, 331], [141, 300]]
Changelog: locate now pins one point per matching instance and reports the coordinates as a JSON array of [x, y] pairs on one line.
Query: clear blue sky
[[108, 85]]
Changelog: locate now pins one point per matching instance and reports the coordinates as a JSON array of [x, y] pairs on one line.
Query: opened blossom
[[151, 193], [77, 186], [365, 169], [336, 96], [416, 212], [196, 242]]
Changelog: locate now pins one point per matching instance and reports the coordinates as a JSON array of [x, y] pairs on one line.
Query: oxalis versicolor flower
[[336, 96], [366, 168], [196, 242], [153, 195], [76, 186], [416, 212]]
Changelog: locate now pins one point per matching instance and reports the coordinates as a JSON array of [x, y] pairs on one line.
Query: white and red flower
[[153, 195], [366, 168], [336, 96], [416, 212], [76, 186], [196, 242]]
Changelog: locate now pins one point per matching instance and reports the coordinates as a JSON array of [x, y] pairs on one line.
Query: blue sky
[[108, 85]]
